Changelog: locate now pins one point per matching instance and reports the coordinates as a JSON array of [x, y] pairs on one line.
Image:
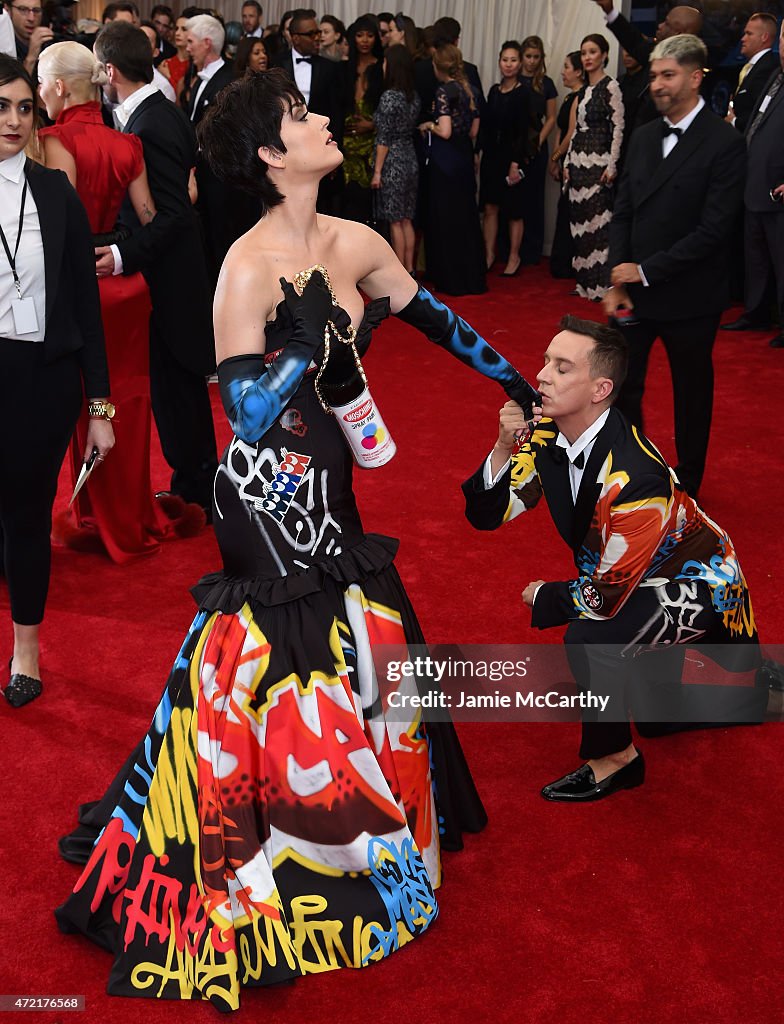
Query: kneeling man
[[652, 568]]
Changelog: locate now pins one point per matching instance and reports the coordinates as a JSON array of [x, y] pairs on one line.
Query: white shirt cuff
[[489, 480], [118, 264], [535, 593], [643, 278]]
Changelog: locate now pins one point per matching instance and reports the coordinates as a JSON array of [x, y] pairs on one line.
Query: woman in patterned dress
[[396, 171], [590, 167]]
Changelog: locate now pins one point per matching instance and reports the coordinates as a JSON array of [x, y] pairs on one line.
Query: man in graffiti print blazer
[[652, 568]]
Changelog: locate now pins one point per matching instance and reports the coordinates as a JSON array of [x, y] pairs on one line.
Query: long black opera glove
[[254, 395], [438, 323]]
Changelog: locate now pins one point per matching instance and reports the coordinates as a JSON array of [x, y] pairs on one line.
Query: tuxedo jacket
[[326, 90], [221, 78], [632, 526], [73, 305], [675, 216], [169, 251], [765, 163], [750, 90]]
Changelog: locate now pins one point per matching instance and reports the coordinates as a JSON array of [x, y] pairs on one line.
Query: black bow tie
[[670, 128], [579, 460], [304, 60]]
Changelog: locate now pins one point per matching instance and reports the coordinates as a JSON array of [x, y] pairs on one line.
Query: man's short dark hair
[[127, 48], [111, 11], [162, 9], [385, 16], [246, 115], [299, 17], [609, 356], [446, 30], [253, 3]]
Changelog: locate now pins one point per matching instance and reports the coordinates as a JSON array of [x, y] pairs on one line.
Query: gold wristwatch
[[100, 409]]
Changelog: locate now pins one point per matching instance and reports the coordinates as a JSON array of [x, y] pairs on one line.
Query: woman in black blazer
[[51, 353]]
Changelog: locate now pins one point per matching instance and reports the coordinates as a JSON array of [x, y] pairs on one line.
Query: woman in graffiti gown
[[274, 821]]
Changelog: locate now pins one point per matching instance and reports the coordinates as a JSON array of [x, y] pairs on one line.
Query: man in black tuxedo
[[760, 36], [764, 206], [679, 195], [221, 210], [320, 82], [316, 77], [170, 254]]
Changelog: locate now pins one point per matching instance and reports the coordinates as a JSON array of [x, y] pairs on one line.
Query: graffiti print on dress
[[279, 492], [292, 421]]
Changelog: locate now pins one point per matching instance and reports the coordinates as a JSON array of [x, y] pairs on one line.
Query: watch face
[[110, 409]]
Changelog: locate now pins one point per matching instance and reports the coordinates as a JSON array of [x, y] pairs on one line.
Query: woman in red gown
[[117, 506]]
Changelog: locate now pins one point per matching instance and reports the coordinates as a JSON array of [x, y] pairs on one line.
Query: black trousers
[[764, 253], [689, 347], [636, 661], [39, 407], [183, 415]]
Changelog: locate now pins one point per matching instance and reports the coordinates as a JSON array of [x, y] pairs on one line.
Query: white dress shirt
[[29, 258], [123, 111], [582, 446], [257, 33], [162, 83], [205, 75], [303, 73], [669, 142]]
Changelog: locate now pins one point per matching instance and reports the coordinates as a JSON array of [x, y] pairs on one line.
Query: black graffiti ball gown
[[272, 822]]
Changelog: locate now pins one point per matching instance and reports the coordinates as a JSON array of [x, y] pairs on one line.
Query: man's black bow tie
[[670, 128], [579, 460], [304, 60]]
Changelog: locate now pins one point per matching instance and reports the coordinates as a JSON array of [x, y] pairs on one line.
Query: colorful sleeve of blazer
[[632, 519]]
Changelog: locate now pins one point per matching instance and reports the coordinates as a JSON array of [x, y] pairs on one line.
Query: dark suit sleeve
[[516, 490], [86, 298], [632, 40], [721, 204], [168, 183], [623, 212]]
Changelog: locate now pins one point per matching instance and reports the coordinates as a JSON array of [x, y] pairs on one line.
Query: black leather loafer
[[582, 786], [22, 689], [744, 324]]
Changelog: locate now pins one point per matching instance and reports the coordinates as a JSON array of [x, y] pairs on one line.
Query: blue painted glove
[[438, 323], [255, 394]]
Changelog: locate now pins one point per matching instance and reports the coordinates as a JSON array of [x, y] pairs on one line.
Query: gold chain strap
[[330, 330]]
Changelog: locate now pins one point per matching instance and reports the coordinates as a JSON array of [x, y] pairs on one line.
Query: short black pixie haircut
[[247, 114]]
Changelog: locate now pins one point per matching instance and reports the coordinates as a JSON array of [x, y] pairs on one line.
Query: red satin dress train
[[116, 511]]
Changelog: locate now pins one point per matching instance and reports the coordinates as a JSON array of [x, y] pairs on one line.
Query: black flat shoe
[[22, 689], [581, 786]]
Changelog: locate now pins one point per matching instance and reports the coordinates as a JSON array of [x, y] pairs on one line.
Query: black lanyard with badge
[[25, 320]]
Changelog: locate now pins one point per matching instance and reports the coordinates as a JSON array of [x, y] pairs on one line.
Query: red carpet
[[656, 906]]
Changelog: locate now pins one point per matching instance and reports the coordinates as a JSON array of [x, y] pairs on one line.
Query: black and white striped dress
[[595, 146]]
